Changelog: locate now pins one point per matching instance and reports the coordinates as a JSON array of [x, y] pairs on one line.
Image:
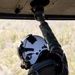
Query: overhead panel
[[7, 6], [61, 7], [22, 5], [55, 7]]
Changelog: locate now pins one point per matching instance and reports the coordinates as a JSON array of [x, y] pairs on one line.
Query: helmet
[[30, 49]]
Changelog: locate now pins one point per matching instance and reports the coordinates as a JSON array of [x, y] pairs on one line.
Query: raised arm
[[54, 45]]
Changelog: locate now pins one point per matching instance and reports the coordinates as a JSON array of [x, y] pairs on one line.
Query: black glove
[[39, 16], [38, 13]]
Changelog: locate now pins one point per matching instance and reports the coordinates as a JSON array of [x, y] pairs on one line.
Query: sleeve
[[54, 45]]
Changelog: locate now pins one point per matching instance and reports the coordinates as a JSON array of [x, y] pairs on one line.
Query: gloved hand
[[39, 16], [38, 13]]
